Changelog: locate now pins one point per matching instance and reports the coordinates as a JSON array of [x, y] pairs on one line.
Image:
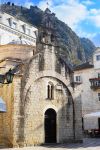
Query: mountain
[[96, 39], [89, 47], [72, 46]]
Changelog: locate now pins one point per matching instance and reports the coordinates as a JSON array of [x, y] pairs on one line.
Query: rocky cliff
[[89, 47]]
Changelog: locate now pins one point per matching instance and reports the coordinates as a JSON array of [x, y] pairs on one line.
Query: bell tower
[[47, 35]]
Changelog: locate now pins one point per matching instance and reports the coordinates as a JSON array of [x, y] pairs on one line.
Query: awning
[[91, 121], [94, 114], [2, 105]]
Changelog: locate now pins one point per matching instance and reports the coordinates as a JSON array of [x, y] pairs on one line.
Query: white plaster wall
[[89, 97], [96, 63], [6, 37], [9, 33], [90, 101]]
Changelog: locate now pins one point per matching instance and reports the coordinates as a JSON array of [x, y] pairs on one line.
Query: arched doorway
[[50, 126]]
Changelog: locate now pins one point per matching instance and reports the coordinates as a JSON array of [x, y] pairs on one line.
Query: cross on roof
[[47, 4]]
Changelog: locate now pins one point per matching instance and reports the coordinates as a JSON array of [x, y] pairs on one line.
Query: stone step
[[2, 146]]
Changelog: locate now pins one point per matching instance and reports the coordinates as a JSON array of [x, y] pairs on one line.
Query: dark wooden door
[[50, 126]]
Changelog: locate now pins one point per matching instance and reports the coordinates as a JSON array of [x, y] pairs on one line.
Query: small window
[[24, 28], [10, 22], [50, 91], [28, 31], [14, 25], [78, 78], [98, 57], [99, 96]]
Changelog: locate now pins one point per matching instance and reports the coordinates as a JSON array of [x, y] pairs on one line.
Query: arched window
[[50, 91]]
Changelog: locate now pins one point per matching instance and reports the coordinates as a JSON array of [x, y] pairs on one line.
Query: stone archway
[[50, 126]]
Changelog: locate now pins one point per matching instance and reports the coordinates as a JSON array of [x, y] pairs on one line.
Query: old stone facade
[[43, 106], [36, 97]]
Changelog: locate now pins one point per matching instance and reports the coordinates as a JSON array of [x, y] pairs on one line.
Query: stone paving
[[88, 144]]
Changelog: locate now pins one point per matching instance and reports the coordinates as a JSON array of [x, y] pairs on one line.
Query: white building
[[15, 31], [87, 77]]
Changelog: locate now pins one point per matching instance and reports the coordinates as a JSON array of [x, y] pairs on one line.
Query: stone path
[[88, 144]]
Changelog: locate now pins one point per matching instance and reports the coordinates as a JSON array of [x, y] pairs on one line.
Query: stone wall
[[36, 105], [6, 119], [9, 121]]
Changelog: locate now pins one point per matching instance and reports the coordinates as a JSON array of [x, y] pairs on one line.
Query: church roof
[[83, 66], [93, 114]]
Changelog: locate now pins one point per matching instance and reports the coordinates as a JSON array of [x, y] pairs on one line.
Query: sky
[[83, 16]]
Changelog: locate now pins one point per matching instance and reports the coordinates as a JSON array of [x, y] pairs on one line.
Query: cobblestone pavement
[[88, 144]]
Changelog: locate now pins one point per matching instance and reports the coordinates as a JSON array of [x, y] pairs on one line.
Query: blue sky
[[83, 16]]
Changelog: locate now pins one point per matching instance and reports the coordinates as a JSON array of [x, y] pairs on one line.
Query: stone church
[[42, 104]]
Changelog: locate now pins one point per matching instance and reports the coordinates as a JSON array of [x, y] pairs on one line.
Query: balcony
[[95, 83]]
